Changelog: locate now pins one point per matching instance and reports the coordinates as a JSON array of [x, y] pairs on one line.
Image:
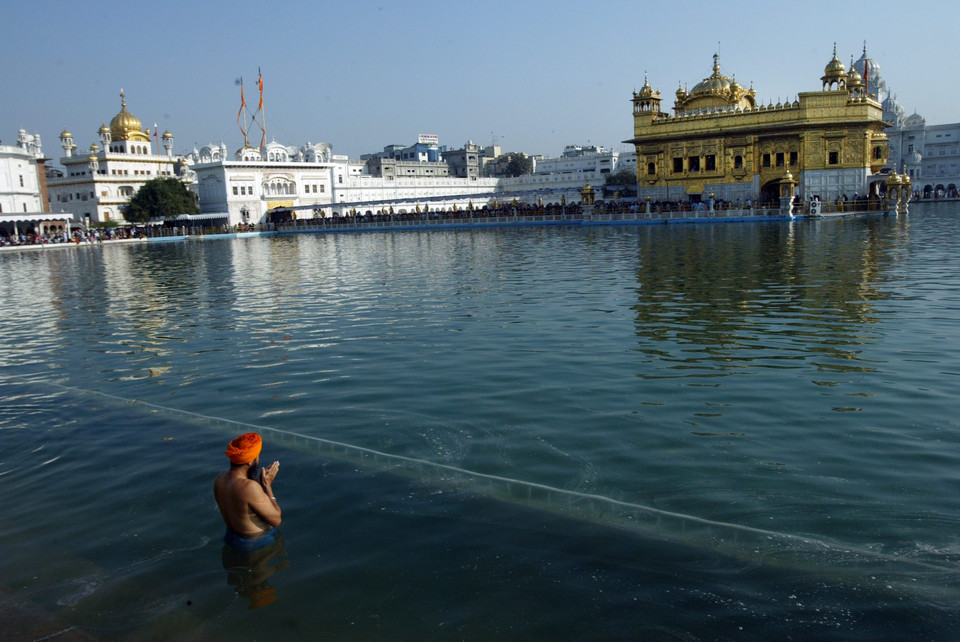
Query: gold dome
[[854, 79], [834, 71], [713, 84], [167, 134], [65, 134], [716, 91], [646, 91], [126, 126], [104, 129], [834, 67]]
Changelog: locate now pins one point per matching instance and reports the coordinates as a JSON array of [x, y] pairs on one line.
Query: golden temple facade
[[720, 143]]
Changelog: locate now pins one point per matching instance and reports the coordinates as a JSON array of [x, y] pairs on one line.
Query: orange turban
[[245, 448]]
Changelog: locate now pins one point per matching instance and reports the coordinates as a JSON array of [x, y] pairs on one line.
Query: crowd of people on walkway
[[939, 193], [77, 236], [426, 215], [527, 211], [497, 210]]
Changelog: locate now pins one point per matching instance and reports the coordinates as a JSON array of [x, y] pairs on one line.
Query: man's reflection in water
[[249, 570]]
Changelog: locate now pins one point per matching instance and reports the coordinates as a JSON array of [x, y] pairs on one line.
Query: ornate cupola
[[168, 142], [834, 74], [854, 81], [646, 100], [681, 96]]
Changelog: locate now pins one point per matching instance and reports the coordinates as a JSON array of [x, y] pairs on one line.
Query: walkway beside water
[[384, 222], [195, 235], [381, 222], [477, 219]]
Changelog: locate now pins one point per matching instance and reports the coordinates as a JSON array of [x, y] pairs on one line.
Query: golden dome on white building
[[126, 126]]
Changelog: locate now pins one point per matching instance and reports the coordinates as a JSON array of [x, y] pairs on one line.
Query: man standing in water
[[245, 496]]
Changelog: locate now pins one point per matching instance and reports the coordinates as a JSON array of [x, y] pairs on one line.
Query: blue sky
[[361, 75]]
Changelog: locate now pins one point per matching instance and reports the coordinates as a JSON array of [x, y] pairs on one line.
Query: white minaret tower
[[168, 143], [92, 163], [105, 137], [66, 142]]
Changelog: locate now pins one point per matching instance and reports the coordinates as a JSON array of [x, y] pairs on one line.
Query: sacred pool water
[[679, 432]]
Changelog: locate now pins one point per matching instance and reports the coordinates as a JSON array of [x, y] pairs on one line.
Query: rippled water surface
[[687, 432]]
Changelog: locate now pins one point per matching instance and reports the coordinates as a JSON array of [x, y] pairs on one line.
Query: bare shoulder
[[248, 488], [235, 486]]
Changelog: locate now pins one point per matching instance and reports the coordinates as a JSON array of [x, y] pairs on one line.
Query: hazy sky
[[361, 75]]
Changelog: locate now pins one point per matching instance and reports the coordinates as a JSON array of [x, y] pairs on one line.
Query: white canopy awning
[[27, 217], [202, 217]]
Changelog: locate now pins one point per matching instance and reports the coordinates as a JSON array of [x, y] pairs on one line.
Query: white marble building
[[314, 182], [591, 159], [23, 195], [97, 185], [21, 175], [243, 190], [928, 154], [568, 173]]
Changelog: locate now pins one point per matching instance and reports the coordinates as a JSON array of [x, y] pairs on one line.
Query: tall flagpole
[[243, 106], [866, 77], [263, 120], [866, 71]]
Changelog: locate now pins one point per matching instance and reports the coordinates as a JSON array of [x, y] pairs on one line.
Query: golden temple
[[720, 143]]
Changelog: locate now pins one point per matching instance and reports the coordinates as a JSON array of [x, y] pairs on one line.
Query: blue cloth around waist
[[240, 543]]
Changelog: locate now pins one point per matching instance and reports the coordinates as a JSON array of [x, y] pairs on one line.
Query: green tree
[[623, 177], [518, 164], [160, 198]]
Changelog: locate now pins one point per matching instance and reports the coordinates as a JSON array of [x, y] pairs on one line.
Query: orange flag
[[260, 84]]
